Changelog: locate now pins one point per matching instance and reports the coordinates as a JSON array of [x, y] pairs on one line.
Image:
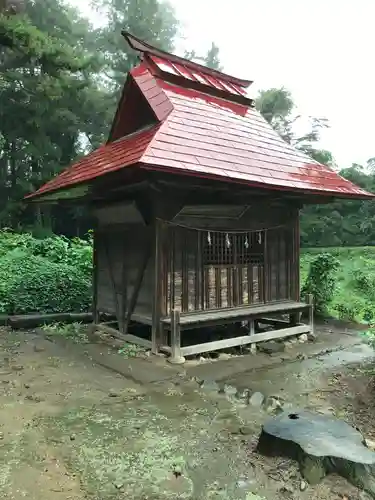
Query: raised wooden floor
[[225, 316]]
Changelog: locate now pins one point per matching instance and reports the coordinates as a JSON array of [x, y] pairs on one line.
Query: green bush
[[46, 276], [321, 281]]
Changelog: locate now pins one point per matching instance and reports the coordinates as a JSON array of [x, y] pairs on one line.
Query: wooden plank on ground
[[248, 339], [126, 338]]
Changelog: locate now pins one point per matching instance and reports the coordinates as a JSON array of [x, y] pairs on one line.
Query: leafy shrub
[[77, 332], [321, 281], [33, 284], [46, 276], [348, 311]]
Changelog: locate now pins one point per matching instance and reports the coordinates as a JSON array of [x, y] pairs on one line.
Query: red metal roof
[[108, 158], [202, 134], [199, 76]]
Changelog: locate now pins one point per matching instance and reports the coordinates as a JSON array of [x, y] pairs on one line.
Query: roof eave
[[303, 192], [141, 46]]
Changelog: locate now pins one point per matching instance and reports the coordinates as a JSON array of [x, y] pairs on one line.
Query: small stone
[[245, 430], [256, 399], [273, 405], [370, 444], [229, 390], [72, 437], [224, 356], [27, 386], [177, 470], [38, 348], [287, 489], [119, 486], [113, 394], [243, 396], [303, 485], [17, 368], [303, 338], [210, 386], [302, 357], [311, 337], [35, 399], [1, 435]]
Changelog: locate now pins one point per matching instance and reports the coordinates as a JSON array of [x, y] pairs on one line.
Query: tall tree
[[278, 108], [151, 20], [50, 102], [211, 59]]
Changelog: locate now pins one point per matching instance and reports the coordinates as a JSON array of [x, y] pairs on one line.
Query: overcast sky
[[321, 50]]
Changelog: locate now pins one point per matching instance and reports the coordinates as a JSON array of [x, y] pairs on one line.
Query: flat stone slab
[[321, 436], [322, 445]]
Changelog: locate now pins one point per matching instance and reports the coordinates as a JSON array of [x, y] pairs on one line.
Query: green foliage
[[77, 332], [59, 84], [321, 281], [354, 291], [343, 222], [131, 350], [46, 276]]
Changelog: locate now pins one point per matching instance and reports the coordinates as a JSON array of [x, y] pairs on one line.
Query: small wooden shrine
[[196, 200]]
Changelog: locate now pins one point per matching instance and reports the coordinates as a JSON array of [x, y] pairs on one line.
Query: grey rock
[[302, 356], [322, 445], [311, 337], [223, 356], [273, 404], [209, 386], [287, 489], [38, 348], [272, 347], [303, 338], [17, 368], [244, 396], [230, 390], [256, 399], [113, 394], [303, 485], [246, 430], [177, 470]]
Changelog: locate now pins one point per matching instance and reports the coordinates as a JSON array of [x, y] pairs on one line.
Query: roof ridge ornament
[[147, 49]]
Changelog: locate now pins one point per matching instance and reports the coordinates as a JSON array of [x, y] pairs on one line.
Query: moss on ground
[[119, 451]]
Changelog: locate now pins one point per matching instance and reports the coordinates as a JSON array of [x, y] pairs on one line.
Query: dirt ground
[[71, 429]]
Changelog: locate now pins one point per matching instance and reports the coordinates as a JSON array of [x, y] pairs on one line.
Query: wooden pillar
[[124, 289], [176, 357], [95, 284], [297, 258], [156, 302], [251, 327], [310, 301], [95, 280]]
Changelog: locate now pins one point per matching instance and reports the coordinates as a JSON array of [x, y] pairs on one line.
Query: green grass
[[354, 297]]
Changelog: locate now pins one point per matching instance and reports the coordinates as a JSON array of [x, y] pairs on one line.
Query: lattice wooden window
[[233, 249]]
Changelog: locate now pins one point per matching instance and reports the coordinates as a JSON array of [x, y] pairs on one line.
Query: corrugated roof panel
[[201, 76], [236, 142], [106, 159]]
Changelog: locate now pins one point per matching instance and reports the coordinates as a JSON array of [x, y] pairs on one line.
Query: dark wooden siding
[[120, 246], [200, 279]]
